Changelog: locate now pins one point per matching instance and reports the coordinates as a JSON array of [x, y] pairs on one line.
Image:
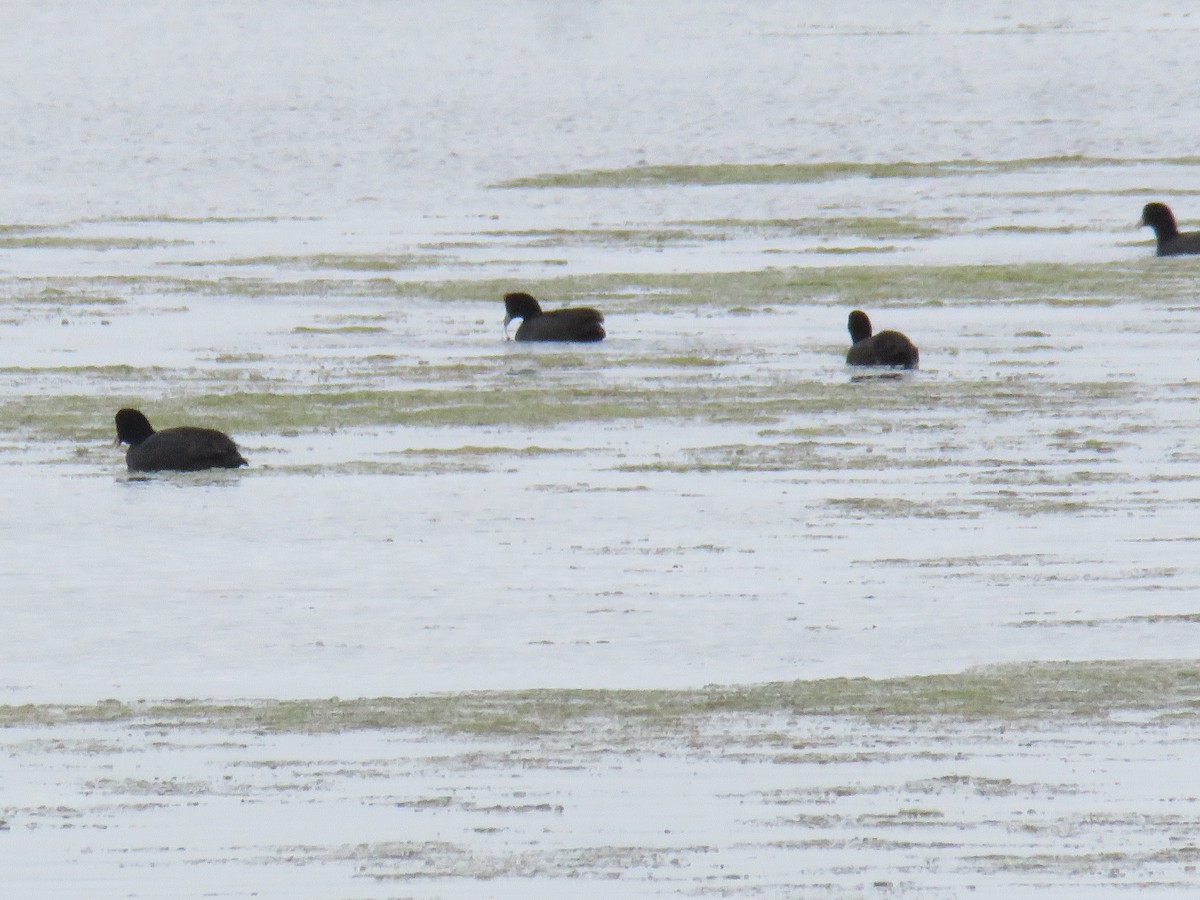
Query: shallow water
[[1039, 779], [296, 223]]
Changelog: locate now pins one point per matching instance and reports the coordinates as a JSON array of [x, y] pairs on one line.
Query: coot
[[888, 348], [579, 323], [1170, 242], [184, 449]]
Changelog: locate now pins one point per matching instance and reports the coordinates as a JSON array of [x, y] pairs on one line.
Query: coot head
[[1159, 217], [132, 427], [1170, 242], [520, 305], [860, 326]]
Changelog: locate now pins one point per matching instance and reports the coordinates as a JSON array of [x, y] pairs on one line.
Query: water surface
[[296, 223]]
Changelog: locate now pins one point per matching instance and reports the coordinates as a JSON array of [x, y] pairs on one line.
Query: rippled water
[[296, 222]]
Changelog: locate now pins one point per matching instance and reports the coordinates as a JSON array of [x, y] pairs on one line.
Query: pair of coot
[[191, 449], [891, 348], [888, 348]]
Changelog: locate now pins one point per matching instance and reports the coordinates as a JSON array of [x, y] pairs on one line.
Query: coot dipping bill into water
[[581, 323]]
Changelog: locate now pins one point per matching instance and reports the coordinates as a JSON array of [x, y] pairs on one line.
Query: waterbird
[[888, 348], [1170, 242], [580, 323], [185, 448]]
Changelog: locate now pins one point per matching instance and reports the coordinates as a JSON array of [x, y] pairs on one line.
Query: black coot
[[184, 449], [888, 348], [580, 323], [1170, 242]]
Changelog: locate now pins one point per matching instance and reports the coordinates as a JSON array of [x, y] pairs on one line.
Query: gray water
[[295, 222]]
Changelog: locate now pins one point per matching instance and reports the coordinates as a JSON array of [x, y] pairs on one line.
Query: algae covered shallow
[[486, 395], [41, 241], [845, 786], [800, 173], [1044, 691], [849, 286]]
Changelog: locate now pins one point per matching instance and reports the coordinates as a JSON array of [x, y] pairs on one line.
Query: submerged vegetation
[[1013, 284], [802, 173], [850, 286], [1166, 689], [474, 397], [889, 227], [382, 262]]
